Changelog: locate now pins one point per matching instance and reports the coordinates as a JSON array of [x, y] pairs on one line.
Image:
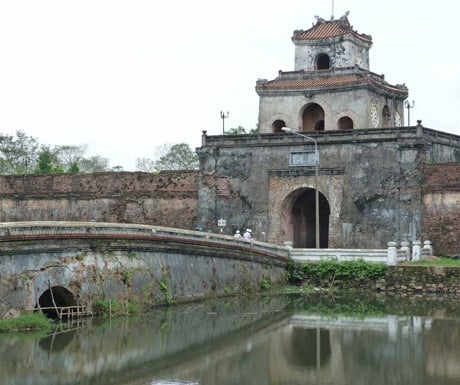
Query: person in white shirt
[[248, 234]]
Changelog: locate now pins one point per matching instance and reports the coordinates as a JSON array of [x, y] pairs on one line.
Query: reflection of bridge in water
[[242, 341]]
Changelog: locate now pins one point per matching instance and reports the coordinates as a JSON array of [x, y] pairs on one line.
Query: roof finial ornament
[[332, 16], [344, 19], [319, 19], [345, 16]]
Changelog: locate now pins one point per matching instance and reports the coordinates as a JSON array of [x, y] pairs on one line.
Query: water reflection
[[273, 341]]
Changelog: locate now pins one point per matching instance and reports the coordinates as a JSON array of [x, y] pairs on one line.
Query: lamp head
[[287, 129]]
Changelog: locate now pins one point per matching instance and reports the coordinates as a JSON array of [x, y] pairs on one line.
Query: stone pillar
[[405, 247], [419, 129], [391, 253], [416, 250], [428, 248], [203, 138]]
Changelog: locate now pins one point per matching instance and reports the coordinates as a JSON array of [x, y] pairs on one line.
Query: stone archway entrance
[[298, 218], [56, 296]]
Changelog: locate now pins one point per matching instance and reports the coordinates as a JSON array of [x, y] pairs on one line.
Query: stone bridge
[[45, 264]]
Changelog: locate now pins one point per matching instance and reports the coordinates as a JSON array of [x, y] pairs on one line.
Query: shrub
[[332, 269]]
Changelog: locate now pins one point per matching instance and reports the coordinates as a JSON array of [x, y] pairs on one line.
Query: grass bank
[[437, 261], [26, 322]]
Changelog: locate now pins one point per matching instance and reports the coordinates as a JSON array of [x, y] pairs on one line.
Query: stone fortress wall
[[371, 180], [164, 199], [441, 205], [187, 199]]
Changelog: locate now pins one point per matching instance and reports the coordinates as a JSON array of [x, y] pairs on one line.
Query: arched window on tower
[[277, 125], [345, 123], [313, 118], [386, 116], [323, 62]]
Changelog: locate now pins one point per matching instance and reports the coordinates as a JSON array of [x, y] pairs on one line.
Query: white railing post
[[391, 253], [416, 250], [405, 247], [428, 248]]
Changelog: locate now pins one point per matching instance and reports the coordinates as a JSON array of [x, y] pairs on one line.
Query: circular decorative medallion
[[397, 119], [374, 116]]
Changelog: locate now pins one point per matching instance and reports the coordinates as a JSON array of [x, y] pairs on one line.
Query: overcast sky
[[125, 77]]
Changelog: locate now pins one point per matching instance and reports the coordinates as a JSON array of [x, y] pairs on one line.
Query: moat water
[[276, 340]]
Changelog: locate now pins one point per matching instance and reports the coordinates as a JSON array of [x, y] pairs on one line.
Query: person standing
[[247, 234], [237, 234]]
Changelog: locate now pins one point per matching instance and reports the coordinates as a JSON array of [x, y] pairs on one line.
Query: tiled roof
[[318, 82], [302, 82], [328, 29]]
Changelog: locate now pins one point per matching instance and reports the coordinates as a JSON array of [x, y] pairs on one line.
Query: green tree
[[240, 130], [18, 154], [70, 155], [94, 164], [45, 163], [145, 164], [22, 154], [74, 169], [179, 157], [173, 157]]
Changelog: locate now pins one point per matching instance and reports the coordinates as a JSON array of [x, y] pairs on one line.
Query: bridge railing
[[391, 256], [24, 230]]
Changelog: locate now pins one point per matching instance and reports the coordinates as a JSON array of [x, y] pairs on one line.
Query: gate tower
[[331, 87]]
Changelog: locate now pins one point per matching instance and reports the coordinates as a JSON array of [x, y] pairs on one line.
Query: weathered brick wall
[[164, 199], [441, 207]]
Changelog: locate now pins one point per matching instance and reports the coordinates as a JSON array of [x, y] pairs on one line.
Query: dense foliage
[[332, 269]]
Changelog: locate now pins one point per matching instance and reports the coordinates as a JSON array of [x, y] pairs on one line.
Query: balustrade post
[[391, 253], [416, 250], [428, 248], [405, 247]]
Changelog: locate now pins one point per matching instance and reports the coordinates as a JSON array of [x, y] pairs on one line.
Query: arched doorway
[[313, 118], [299, 221], [56, 296]]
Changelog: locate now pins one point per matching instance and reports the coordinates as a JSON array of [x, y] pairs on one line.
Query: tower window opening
[[345, 123], [278, 125], [323, 62], [386, 115], [313, 118]]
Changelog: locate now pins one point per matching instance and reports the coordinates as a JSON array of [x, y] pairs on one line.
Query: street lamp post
[[291, 131], [409, 106], [223, 117]]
